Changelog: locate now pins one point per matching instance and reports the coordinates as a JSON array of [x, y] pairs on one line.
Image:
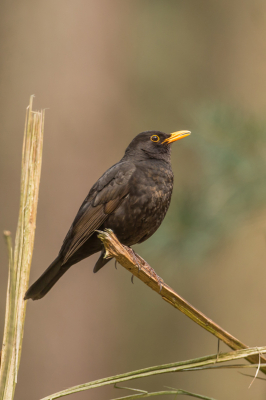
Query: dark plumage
[[131, 198]]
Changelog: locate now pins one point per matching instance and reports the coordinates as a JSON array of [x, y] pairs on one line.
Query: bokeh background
[[107, 70]]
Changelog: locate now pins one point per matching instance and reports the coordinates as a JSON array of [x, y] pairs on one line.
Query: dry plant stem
[[147, 275], [9, 329], [15, 315]]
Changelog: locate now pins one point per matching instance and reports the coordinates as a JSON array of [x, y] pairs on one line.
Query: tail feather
[[101, 262], [46, 280]]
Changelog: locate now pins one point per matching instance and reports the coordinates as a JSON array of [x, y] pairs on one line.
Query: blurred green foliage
[[227, 153]]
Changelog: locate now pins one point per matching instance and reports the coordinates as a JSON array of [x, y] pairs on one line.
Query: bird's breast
[[144, 208]]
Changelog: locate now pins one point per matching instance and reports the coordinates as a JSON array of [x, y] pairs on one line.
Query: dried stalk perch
[[20, 262], [139, 268]]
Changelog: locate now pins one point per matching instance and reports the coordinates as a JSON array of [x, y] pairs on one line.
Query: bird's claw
[[158, 279], [135, 258], [160, 283]]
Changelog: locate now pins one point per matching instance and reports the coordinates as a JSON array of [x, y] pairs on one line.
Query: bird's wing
[[104, 197]]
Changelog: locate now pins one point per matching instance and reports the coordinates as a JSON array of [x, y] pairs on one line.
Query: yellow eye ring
[[155, 138]]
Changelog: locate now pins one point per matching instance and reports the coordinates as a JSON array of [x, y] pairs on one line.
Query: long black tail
[[46, 280]]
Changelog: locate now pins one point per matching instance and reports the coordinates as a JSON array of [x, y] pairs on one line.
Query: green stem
[[165, 392], [161, 369]]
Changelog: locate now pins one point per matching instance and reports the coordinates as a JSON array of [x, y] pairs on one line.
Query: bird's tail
[[46, 280]]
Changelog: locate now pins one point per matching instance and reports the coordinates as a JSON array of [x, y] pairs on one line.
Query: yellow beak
[[176, 136]]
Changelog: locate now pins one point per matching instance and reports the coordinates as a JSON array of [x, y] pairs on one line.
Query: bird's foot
[[151, 271], [136, 258]]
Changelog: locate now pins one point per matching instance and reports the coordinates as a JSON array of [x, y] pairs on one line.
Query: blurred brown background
[[107, 70]]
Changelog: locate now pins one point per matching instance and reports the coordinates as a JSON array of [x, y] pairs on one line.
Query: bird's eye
[[155, 138]]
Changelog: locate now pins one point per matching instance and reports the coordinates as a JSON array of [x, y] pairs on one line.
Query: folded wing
[[104, 197]]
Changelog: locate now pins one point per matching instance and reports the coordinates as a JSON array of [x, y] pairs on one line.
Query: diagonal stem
[[147, 275]]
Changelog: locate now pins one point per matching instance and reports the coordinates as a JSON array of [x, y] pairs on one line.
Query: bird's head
[[153, 144]]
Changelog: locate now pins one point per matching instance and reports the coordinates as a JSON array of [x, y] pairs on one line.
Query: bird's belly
[[140, 214]]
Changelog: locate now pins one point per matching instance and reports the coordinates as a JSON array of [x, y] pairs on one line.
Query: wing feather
[[104, 197]]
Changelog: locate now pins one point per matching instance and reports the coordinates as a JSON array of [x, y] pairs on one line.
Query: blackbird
[[131, 198]]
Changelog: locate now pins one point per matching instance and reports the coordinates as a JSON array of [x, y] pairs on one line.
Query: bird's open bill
[[176, 136]]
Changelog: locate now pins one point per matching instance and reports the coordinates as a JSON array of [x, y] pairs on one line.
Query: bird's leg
[[132, 278], [115, 264]]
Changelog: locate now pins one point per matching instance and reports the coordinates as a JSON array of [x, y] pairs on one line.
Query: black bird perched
[[131, 198]]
